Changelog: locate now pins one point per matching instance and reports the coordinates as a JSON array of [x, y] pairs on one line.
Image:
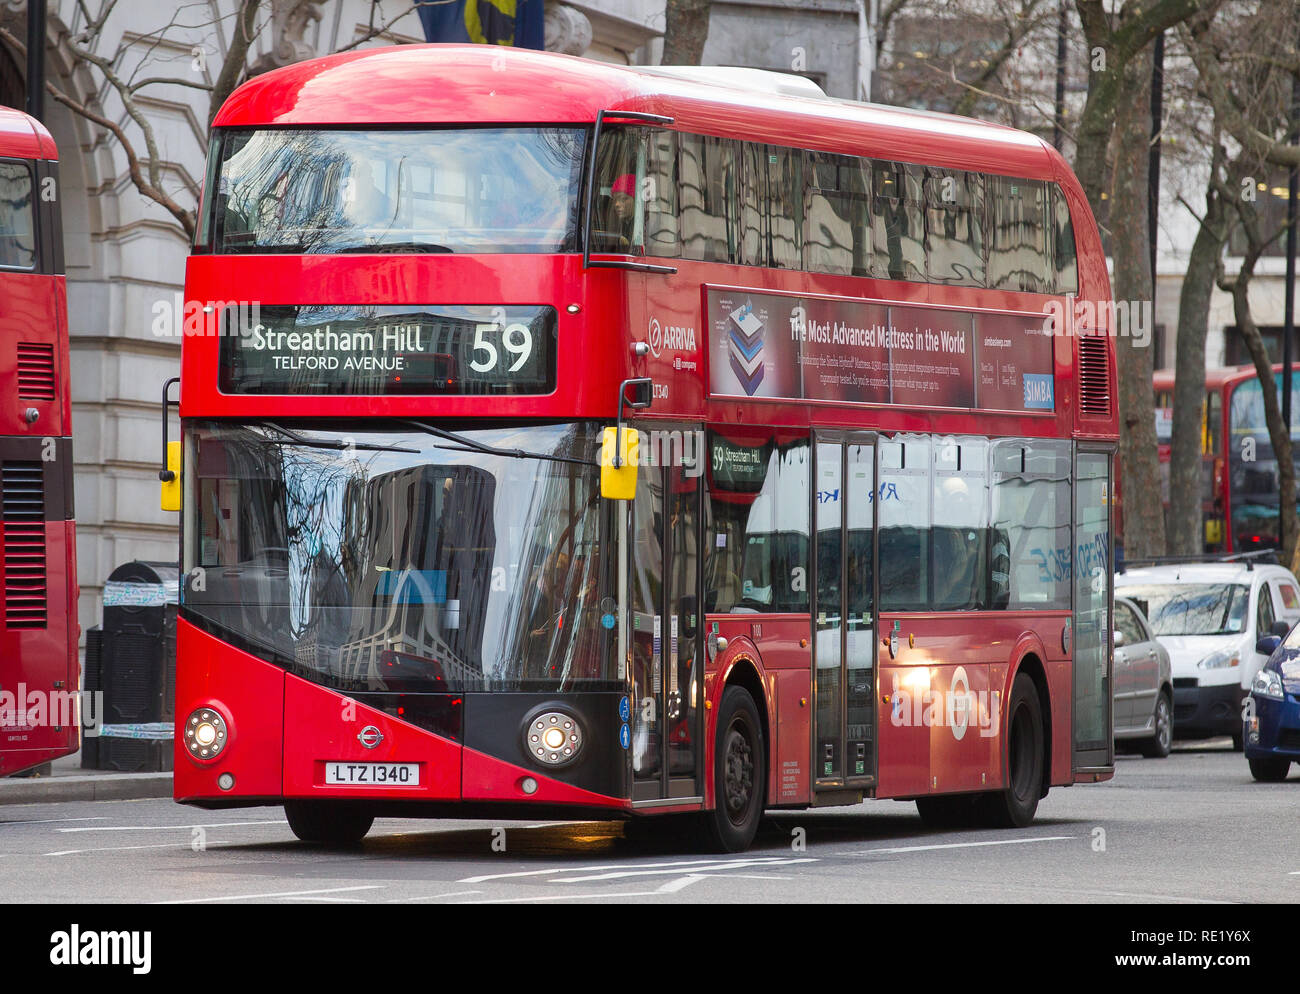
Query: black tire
[[1014, 806], [1238, 742], [739, 774], [1158, 746], [331, 824], [1269, 769], [954, 811]]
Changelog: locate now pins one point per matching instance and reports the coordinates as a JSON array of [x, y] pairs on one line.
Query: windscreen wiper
[[320, 443], [380, 248], [492, 450]]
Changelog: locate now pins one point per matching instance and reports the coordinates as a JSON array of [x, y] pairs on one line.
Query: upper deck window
[[17, 217], [678, 195], [462, 190]]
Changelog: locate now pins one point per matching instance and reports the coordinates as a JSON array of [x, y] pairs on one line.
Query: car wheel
[[1159, 744], [739, 773], [1269, 769], [1014, 806], [331, 824]]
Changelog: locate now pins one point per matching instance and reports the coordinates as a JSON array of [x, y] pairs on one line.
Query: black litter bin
[[131, 659]]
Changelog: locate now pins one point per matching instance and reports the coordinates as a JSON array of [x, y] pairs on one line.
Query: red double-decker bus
[[1239, 495], [862, 549], [39, 671]]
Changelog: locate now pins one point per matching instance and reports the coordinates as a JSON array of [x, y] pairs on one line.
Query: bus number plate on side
[[400, 774]]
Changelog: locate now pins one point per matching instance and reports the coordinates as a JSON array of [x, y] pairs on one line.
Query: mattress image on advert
[[750, 350]]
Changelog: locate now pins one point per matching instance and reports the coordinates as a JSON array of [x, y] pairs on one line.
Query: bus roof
[[1215, 379], [23, 137], [477, 84]]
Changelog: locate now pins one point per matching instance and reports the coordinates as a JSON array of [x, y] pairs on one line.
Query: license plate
[[377, 774]]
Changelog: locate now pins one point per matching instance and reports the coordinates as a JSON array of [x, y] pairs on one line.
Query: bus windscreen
[[491, 190]]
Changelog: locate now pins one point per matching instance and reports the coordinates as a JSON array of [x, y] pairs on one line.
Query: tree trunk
[[235, 63], [1185, 535], [686, 27], [1144, 524], [1277, 433]]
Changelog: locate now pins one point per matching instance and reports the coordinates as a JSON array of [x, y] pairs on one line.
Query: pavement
[[67, 781]]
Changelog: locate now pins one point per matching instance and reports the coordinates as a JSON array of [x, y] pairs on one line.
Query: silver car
[[1144, 694]]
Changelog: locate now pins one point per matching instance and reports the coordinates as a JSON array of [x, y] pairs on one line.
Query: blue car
[[1272, 714]]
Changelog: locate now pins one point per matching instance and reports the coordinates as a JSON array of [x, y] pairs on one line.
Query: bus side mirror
[[171, 479], [170, 474], [619, 450]]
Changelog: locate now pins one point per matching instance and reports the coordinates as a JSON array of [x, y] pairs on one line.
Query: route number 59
[[517, 339]]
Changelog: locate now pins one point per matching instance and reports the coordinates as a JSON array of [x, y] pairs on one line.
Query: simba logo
[[77, 948]]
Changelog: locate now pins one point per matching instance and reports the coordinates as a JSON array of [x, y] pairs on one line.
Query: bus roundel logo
[[656, 337], [960, 706], [370, 736]]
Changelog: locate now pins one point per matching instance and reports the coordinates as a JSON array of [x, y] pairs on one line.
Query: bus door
[[667, 630], [844, 611]]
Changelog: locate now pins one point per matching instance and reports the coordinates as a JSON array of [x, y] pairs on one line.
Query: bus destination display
[[406, 349]]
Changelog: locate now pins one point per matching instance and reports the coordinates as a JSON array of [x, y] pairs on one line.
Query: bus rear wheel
[[1015, 806], [739, 774], [328, 824]]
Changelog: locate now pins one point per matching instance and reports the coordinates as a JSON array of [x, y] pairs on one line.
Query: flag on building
[[485, 22]]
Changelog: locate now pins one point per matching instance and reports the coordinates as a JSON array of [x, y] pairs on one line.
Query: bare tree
[[1144, 524], [1113, 40], [84, 51], [1241, 54], [1278, 435]]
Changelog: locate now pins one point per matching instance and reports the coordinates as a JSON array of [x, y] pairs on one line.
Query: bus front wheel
[[739, 773], [328, 824], [1014, 806]]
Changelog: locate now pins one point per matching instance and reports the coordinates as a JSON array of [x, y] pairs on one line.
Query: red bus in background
[[38, 576], [864, 549], [1239, 488]]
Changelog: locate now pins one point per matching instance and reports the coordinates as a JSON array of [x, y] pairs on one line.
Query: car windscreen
[[1193, 608]]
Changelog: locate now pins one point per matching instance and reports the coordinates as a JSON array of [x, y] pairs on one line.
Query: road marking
[[670, 887], [432, 897], [334, 900], [51, 821], [168, 828], [962, 845], [689, 865], [283, 893], [709, 871], [158, 845]]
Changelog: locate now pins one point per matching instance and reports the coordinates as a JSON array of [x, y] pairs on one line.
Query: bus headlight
[[553, 738], [206, 733]]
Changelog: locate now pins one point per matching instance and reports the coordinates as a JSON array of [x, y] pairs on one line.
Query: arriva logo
[[678, 337]]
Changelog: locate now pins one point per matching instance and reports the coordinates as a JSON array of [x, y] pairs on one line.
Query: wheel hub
[[739, 781]]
